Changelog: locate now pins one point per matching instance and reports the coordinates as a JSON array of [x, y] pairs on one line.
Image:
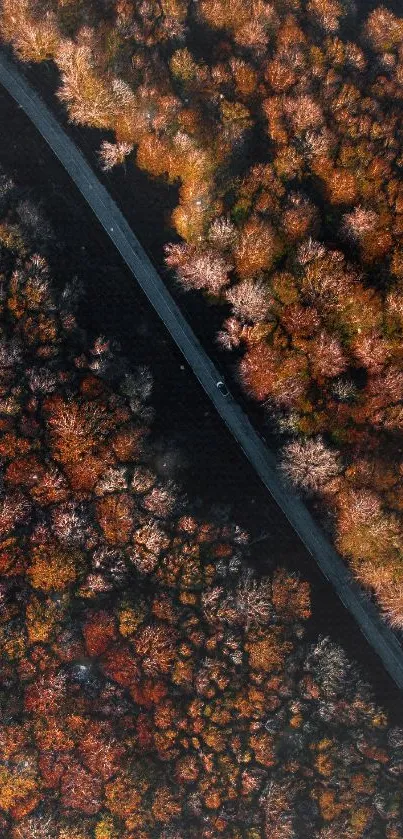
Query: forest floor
[[192, 446]]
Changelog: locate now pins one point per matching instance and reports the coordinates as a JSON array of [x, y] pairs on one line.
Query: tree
[[299, 321], [89, 97], [249, 604], [250, 300], [390, 597], [222, 233], [371, 351], [383, 29], [198, 268], [340, 185], [326, 13], [365, 532], [280, 76], [80, 790], [330, 667], [359, 223], [277, 802], [303, 112], [231, 334], [116, 517], [266, 374], [326, 356], [258, 370], [299, 218], [52, 567], [19, 24], [113, 154], [309, 464], [257, 248]]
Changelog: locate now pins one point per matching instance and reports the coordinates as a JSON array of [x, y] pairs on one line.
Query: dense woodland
[[281, 125], [150, 684]]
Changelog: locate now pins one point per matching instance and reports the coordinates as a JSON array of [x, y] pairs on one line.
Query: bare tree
[[113, 154], [250, 300], [309, 464]]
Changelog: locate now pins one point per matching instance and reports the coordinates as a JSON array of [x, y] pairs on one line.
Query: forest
[[151, 684], [279, 125]]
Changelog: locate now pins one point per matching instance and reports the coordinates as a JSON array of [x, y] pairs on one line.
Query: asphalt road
[[379, 636]]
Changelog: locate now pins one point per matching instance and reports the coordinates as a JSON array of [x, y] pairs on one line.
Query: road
[[379, 636]]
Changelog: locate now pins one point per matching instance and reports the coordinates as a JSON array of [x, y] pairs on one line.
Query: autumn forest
[[153, 684]]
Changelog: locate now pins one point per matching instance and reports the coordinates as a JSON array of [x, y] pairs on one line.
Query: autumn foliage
[[152, 685], [305, 248]]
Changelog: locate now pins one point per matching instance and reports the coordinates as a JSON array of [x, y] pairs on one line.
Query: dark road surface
[[379, 636]]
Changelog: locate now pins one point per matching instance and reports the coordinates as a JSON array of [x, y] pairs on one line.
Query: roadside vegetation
[[151, 685], [280, 123]]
